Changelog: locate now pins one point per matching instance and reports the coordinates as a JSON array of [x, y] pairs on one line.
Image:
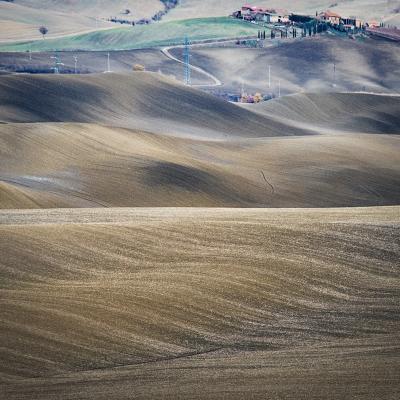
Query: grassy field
[[144, 36], [20, 20]]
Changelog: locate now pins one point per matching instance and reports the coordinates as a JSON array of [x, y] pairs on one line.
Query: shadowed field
[[200, 303], [129, 100], [305, 65], [86, 165], [306, 150], [338, 112], [237, 302]]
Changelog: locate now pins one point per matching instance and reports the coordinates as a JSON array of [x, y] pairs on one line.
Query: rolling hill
[[118, 281], [338, 112], [366, 64], [129, 100], [142, 36], [365, 9], [199, 303], [21, 19], [305, 65], [102, 145]]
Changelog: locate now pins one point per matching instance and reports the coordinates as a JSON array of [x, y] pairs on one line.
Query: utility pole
[[108, 63], [269, 76], [334, 74], [279, 88], [186, 58], [76, 64]]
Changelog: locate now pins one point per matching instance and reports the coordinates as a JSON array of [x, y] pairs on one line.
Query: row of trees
[[168, 5], [312, 28]]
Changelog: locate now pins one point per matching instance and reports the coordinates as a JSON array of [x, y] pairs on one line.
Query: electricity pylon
[[57, 63]]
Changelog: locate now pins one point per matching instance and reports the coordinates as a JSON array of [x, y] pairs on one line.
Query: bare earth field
[[301, 66], [21, 19], [118, 281], [200, 303], [100, 144], [305, 65]]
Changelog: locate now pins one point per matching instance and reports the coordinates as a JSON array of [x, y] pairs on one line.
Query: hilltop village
[[275, 16]]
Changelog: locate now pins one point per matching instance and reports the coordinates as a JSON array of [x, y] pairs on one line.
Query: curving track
[[216, 81]]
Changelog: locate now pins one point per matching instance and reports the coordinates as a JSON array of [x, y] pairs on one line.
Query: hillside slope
[[366, 9], [204, 304], [152, 102], [21, 19], [360, 65], [84, 165], [141, 140], [340, 112], [142, 36], [135, 100]]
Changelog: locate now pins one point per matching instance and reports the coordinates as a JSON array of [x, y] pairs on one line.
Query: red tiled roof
[[331, 14]]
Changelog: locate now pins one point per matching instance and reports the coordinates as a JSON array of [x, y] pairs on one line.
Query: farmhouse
[[254, 13], [281, 16], [330, 18], [373, 24], [352, 22]]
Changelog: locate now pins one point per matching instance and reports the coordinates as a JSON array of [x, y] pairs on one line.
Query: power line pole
[[76, 64], [186, 60], [334, 74], [279, 88], [269, 76], [108, 63]]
